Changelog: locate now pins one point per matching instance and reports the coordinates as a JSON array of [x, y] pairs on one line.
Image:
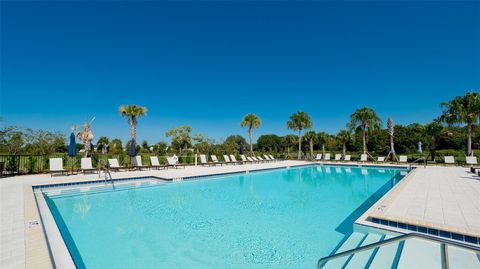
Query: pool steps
[[406, 254]]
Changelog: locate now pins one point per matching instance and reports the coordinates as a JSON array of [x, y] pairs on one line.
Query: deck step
[[464, 259], [385, 255], [360, 259], [353, 241], [419, 253]]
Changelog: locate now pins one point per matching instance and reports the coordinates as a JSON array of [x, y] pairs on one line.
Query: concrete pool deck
[[20, 240], [443, 198]]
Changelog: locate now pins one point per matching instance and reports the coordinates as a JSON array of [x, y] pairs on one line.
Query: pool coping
[[62, 252]]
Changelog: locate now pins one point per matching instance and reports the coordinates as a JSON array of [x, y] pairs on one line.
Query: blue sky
[[206, 64]]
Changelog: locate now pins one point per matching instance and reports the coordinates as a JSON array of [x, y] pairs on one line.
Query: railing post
[[444, 250]]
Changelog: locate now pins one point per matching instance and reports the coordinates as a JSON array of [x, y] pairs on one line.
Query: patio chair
[[449, 159], [338, 157], [234, 159], [402, 159], [173, 162], [86, 165], [250, 159], [268, 158], [113, 165], [154, 163], [261, 159], [227, 159], [137, 163], [318, 157], [363, 157], [327, 156], [273, 158], [347, 158], [215, 160], [245, 159], [381, 159], [472, 160], [204, 161], [56, 166]]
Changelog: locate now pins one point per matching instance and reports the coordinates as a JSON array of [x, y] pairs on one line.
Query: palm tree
[[367, 120], [298, 122], [344, 136], [463, 110], [311, 137], [132, 112], [322, 139], [252, 121], [289, 140]]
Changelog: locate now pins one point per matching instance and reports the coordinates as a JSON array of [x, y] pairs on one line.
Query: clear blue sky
[[206, 64]]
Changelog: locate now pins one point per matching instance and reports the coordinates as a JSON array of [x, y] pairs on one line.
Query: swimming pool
[[283, 218]]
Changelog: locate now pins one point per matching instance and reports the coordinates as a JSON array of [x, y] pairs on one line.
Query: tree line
[[455, 129]]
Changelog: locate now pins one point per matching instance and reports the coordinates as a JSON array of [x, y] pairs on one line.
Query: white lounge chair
[[318, 157], [402, 159], [327, 156], [137, 163], [204, 161], [363, 157], [471, 160], [234, 159], [227, 159], [173, 162], [155, 163], [449, 159], [56, 166], [381, 159], [261, 159], [245, 159], [250, 159], [113, 165], [273, 158], [215, 160], [338, 157], [86, 165], [347, 158], [267, 158]]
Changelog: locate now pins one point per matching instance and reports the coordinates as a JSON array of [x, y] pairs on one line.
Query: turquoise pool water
[[284, 218]]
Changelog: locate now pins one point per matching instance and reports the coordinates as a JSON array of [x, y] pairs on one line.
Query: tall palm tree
[[463, 110], [298, 122], [252, 121], [367, 120], [344, 136], [311, 137], [132, 112], [289, 140], [322, 138]]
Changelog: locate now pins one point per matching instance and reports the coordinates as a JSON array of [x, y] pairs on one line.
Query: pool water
[[283, 218]]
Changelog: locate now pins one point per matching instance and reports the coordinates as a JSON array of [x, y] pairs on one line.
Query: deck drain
[[32, 224]]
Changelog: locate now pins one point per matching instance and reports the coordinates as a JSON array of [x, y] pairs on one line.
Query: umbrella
[[241, 148], [419, 147], [132, 151], [72, 147]]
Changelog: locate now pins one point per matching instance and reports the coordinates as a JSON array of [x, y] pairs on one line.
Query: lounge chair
[[271, 157], [173, 162], [363, 157], [137, 163], [472, 160], [227, 160], [449, 159], [234, 159], [261, 159], [402, 159], [154, 163], [267, 158], [204, 161], [56, 166], [244, 159], [347, 158], [86, 165], [381, 159], [318, 157], [338, 157], [250, 159], [113, 165], [215, 160], [327, 156]]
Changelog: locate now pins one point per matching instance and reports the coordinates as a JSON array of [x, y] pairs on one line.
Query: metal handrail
[[443, 242], [419, 159]]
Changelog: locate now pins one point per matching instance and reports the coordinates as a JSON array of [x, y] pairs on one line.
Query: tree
[[101, 142], [269, 143], [433, 130], [252, 121], [365, 119], [311, 138], [12, 139], [463, 110], [289, 141], [232, 143], [298, 122], [180, 137], [344, 136], [132, 112], [115, 146], [322, 138]]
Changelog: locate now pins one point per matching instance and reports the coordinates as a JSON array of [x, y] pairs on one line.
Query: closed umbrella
[[420, 147], [241, 148], [132, 150], [72, 147]]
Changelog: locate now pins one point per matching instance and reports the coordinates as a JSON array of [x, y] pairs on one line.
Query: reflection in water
[[83, 206]]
